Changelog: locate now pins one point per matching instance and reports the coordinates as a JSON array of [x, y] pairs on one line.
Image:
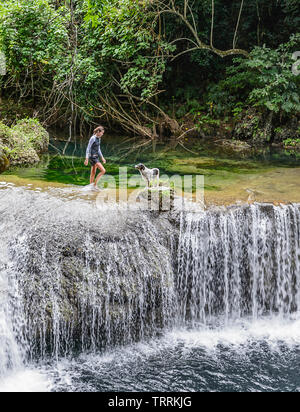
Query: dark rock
[[248, 127], [291, 130]]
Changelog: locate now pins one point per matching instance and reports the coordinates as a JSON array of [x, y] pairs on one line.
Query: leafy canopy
[[266, 80]]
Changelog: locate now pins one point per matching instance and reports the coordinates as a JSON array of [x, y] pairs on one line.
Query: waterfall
[[13, 346], [74, 278], [87, 278], [239, 261], [10, 353]]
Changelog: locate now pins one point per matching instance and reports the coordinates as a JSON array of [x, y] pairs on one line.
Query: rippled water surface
[[259, 356], [249, 356]]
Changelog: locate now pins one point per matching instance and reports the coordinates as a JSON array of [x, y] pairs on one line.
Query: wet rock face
[[98, 291], [92, 280], [158, 199], [290, 130], [87, 279]]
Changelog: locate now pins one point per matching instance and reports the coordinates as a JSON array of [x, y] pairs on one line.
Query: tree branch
[[171, 9], [212, 23], [237, 25]]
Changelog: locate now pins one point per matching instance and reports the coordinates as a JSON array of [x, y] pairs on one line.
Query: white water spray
[[75, 280]]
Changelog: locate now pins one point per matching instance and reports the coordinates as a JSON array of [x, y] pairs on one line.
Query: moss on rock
[[33, 134], [23, 142], [4, 162], [5, 134]]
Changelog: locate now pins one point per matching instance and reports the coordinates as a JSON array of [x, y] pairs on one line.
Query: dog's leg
[[157, 180], [145, 180]]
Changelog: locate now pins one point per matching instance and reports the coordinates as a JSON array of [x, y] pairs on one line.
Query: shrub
[[266, 79]]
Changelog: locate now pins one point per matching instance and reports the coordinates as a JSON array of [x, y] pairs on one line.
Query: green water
[[226, 172]]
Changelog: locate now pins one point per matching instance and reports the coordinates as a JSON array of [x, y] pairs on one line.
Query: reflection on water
[[263, 177]]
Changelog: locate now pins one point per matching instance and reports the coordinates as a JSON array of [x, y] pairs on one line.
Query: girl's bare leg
[[93, 174], [102, 172]]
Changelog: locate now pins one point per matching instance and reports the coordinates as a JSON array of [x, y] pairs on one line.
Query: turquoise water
[[217, 164]]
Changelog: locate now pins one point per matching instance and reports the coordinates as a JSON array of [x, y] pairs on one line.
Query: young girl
[[94, 154]]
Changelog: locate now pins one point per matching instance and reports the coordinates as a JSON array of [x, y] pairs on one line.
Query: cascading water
[[87, 279], [239, 261], [10, 352], [12, 344], [75, 279]]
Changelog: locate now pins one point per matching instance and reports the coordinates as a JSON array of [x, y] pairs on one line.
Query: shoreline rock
[[4, 162], [23, 143]]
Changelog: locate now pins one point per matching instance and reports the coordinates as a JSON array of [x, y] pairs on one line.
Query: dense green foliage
[[141, 64], [266, 79], [33, 37]]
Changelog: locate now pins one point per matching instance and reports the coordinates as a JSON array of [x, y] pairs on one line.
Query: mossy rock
[[5, 134], [236, 145], [25, 155], [4, 162], [33, 133], [23, 143]]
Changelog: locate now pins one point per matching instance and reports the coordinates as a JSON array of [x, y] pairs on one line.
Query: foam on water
[[29, 380], [75, 279], [241, 356], [271, 331]]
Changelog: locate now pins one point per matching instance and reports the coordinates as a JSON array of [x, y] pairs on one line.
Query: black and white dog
[[149, 175]]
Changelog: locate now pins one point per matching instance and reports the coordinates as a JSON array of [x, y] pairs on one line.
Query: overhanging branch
[[168, 7]]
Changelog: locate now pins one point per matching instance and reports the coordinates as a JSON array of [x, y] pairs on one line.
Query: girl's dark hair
[[99, 129]]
